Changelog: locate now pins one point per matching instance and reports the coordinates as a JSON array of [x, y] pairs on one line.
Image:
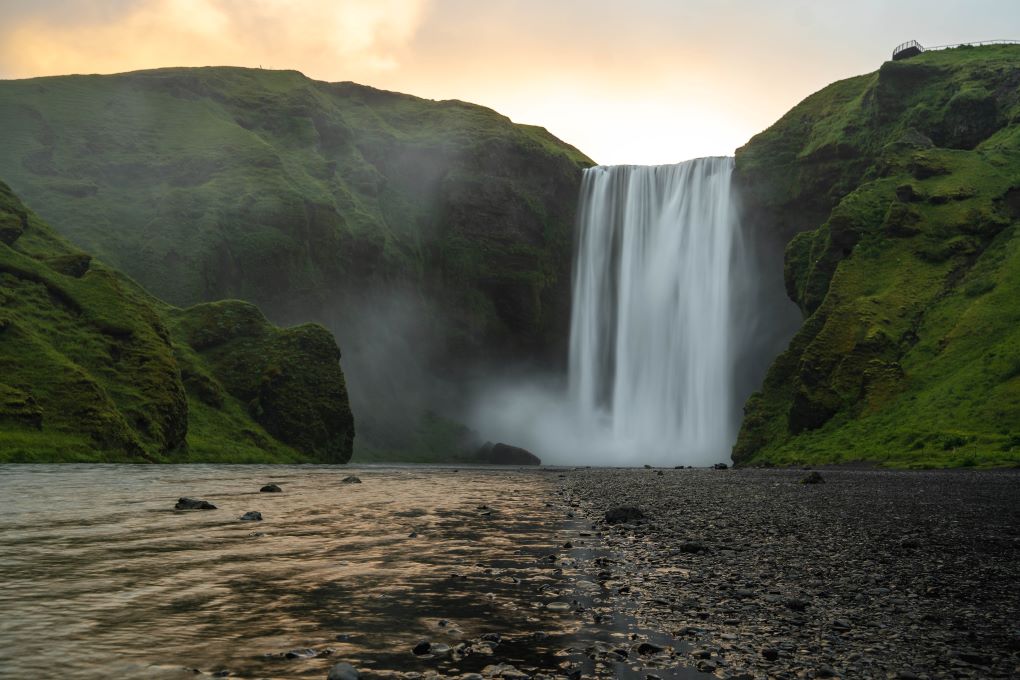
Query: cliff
[[433, 238], [94, 369], [897, 196]]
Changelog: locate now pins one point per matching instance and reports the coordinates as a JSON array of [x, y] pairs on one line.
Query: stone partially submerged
[[193, 504]]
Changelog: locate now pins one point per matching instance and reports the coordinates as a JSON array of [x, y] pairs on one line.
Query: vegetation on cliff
[[898, 194], [93, 368], [428, 236]]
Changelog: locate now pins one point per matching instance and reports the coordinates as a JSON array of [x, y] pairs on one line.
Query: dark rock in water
[[624, 514], [422, 648], [271, 488], [770, 653], [351, 479], [648, 648], [251, 516], [304, 653], [648, 467], [720, 466], [813, 478], [343, 671], [504, 454], [192, 504]]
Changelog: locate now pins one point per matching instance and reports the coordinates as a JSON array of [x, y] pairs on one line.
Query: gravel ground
[[871, 574]]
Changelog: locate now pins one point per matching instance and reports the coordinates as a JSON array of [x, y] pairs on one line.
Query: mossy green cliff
[[93, 368], [898, 195], [434, 239], [296, 195]]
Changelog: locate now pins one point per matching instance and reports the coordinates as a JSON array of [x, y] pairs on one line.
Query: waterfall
[[651, 338]]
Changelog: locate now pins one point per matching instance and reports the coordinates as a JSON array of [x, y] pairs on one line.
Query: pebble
[[251, 516], [271, 488]]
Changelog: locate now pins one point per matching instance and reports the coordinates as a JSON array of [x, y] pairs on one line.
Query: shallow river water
[[101, 578]]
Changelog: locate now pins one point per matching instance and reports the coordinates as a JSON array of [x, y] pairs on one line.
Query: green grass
[[94, 369], [909, 275]]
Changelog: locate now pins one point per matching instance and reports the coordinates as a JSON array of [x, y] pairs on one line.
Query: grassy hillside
[[898, 195], [204, 183], [430, 237], [92, 368]]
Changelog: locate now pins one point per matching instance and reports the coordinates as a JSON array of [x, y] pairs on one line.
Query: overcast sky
[[640, 81]]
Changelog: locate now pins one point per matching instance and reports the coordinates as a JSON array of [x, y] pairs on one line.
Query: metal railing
[[902, 47], [913, 44]]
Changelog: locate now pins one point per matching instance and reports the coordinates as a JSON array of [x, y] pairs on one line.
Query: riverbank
[[871, 574]]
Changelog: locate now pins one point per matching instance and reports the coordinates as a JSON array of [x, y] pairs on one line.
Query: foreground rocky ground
[[871, 574]]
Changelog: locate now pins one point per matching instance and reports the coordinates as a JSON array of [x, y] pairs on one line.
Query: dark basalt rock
[[193, 504], [271, 488], [251, 516], [504, 454], [720, 466], [343, 671], [351, 479], [422, 648], [625, 514]]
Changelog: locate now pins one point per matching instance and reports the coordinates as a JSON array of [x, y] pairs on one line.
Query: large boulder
[[505, 454]]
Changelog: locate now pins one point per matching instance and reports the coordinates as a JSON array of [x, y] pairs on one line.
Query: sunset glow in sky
[[646, 81]]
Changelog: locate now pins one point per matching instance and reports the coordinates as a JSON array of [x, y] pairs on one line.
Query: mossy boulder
[[895, 194]]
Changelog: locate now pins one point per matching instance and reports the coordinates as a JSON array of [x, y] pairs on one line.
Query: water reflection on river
[[101, 578]]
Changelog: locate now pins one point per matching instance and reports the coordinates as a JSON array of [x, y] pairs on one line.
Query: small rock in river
[[351, 479], [422, 648], [271, 488], [558, 606], [251, 516], [813, 478], [770, 653], [624, 514], [720, 466], [304, 653], [192, 504], [648, 648], [343, 671]]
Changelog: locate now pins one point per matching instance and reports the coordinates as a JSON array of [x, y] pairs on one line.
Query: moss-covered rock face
[[289, 380], [294, 194], [92, 368], [897, 195]]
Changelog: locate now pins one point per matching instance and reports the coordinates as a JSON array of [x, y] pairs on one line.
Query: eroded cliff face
[[302, 196], [432, 238], [896, 194], [94, 369]]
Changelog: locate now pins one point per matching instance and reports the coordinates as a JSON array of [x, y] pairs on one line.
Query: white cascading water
[[651, 353]]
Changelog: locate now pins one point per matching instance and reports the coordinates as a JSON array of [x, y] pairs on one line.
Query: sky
[[641, 81]]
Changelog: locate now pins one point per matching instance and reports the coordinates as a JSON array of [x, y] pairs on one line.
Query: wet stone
[[251, 516], [184, 503], [271, 488]]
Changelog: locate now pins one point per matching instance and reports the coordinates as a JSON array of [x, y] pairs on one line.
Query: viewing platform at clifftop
[[912, 48]]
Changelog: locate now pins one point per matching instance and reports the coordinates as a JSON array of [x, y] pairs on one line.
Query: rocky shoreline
[[870, 574]]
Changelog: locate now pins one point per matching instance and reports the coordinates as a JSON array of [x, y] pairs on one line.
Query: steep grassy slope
[[430, 237], [291, 193], [898, 194], [92, 368]]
